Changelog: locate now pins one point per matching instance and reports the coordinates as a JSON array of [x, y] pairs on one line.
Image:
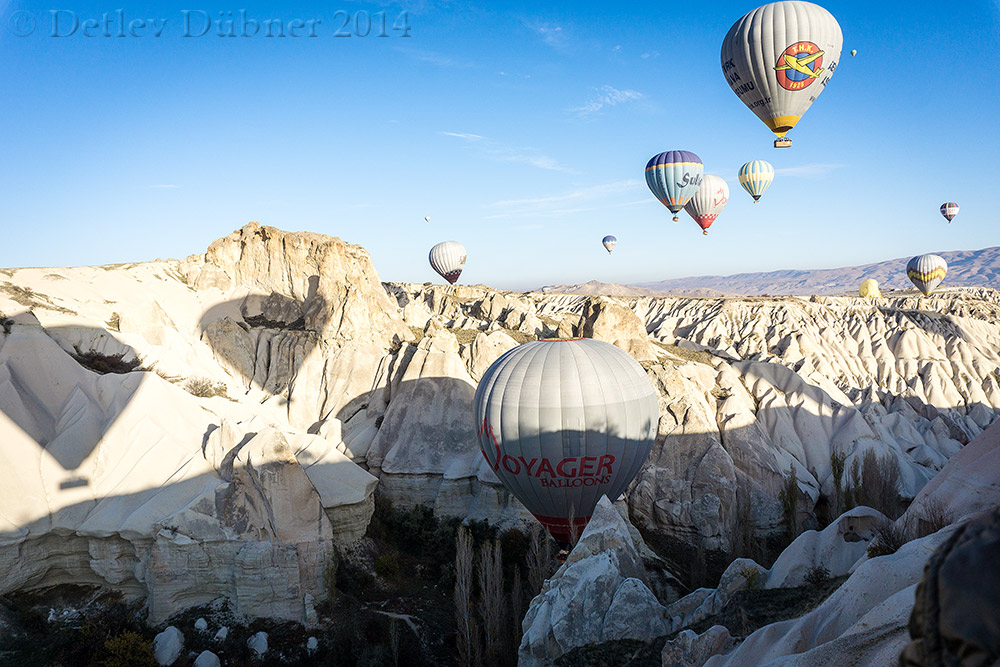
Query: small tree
[[838, 462], [463, 597], [789, 498], [539, 558], [516, 612], [491, 601]]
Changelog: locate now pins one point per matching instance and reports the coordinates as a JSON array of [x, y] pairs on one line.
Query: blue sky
[[521, 129]]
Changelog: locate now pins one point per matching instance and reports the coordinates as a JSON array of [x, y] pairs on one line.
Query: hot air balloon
[[854, 52], [755, 177], [674, 177], [779, 58], [708, 202], [869, 289], [609, 243], [926, 272], [949, 210], [448, 259], [563, 422], [427, 218]]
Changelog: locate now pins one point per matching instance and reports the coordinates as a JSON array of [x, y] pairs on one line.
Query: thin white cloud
[[814, 170], [164, 187], [551, 34], [434, 58], [576, 201], [463, 135], [607, 96], [650, 54], [581, 194], [498, 152]]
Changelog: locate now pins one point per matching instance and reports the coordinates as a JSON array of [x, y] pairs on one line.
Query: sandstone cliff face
[[750, 388], [293, 353], [183, 497]]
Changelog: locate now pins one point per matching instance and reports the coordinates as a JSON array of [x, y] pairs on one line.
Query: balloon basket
[[705, 233], [676, 219], [782, 143]]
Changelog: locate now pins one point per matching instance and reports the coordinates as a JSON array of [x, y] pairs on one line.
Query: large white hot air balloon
[[706, 204], [563, 422], [779, 58], [926, 272], [448, 259]]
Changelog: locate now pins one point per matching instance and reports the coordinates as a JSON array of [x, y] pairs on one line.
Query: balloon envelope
[[755, 177], [609, 243], [869, 289], [448, 259], [779, 58], [563, 422], [854, 52], [926, 272], [706, 204], [673, 178], [427, 218], [949, 210]]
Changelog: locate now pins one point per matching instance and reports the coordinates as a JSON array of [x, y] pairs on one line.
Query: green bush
[[387, 564], [817, 576], [752, 577], [205, 388], [129, 649], [887, 540]]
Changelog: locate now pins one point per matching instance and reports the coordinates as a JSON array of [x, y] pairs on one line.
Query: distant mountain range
[[966, 268]]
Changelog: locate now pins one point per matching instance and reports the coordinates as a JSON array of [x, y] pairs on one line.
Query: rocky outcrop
[[614, 323], [599, 594], [837, 548], [862, 621]]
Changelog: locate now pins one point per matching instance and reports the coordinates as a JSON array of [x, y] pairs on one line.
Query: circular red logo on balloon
[[799, 65]]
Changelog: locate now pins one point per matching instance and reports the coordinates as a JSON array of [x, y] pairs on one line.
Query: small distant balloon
[[609, 243], [869, 289], [448, 259], [706, 204], [926, 272], [673, 177], [427, 218], [755, 177], [854, 52], [949, 210]]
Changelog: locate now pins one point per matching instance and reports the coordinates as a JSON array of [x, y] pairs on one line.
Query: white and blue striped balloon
[[755, 177], [674, 177]]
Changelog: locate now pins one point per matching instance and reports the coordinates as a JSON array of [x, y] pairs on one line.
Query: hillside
[[966, 268]]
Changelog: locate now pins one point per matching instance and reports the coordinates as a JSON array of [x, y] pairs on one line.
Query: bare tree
[[516, 612], [574, 531], [877, 485], [539, 558], [491, 601], [463, 597]]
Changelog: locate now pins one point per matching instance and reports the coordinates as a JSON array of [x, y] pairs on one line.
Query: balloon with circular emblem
[[673, 177], [708, 202], [562, 422], [779, 57], [926, 272], [949, 210], [609, 243], [448, 259], [755, 177]]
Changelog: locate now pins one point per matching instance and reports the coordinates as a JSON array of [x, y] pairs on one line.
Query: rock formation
[[599, 594]]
